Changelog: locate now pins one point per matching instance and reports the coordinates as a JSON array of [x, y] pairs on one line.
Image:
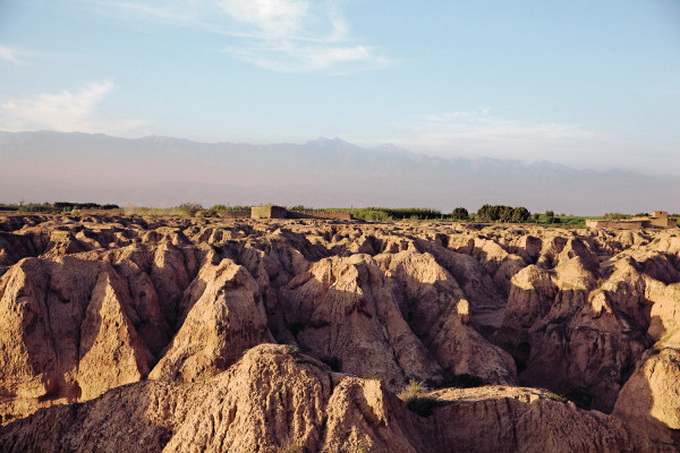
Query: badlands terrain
[[190, 335]]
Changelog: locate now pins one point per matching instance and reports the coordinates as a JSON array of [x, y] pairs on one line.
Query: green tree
[[460, 214], [487, 213], [505, 213], [615, 216], [520, 214]]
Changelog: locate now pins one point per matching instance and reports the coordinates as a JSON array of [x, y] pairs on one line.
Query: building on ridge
[[658, 219]]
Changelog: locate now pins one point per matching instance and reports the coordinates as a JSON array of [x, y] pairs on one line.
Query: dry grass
[[416, 398]]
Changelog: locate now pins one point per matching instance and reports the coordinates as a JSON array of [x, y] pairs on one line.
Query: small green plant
[[417, 400], [291, 349], [556, 397], [415, 387]]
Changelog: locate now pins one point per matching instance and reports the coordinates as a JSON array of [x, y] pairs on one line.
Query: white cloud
[[64, 111], [281, 35], [297, 35], [9, 54], [274, 18], [291, 57]]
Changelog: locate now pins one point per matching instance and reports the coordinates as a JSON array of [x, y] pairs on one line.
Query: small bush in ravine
[[422, 405], [417, 400], [415, 387], [556, 397], [291, 349]]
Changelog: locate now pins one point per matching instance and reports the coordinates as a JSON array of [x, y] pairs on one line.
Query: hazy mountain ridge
[[45, 165]]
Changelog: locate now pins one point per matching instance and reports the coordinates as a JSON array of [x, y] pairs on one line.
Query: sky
[[590, 84]]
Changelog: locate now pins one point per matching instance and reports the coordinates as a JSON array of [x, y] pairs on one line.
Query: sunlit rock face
[[172, 334]]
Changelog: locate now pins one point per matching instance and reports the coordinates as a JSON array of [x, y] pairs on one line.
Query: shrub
[[225, 208], [615, 216], [460, 214], [556, 397], [502, 213], [420, 404], [519, 214], [416, 398], [291, 349], [415, 387], [189, 209]]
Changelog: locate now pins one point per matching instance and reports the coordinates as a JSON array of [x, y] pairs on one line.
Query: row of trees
[[501, 213], [59, 206]]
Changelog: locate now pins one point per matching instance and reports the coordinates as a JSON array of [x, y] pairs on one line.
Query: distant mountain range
[[159, 171]]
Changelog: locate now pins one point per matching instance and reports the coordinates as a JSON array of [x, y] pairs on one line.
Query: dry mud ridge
[[178, 335]]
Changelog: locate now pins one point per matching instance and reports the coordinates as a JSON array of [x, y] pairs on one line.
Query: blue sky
[[592, 84]]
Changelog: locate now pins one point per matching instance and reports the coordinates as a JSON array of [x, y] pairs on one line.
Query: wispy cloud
[[281, 35], [291, 57], [297, 35], [482, 126], [9, 54], [64, 111], [171, 12], [274, 18], [482, 133]]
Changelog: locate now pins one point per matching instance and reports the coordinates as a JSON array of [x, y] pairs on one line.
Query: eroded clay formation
[[156, 334]]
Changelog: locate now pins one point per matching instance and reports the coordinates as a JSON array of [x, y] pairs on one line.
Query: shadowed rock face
[[187, 311]]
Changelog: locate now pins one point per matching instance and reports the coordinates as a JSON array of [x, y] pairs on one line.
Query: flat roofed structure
[[658, 219], [268, 211]]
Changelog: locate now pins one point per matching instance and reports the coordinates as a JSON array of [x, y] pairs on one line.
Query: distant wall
[[616, 224], [279, 212], [235, 214], [335, 215], [659, 219]]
